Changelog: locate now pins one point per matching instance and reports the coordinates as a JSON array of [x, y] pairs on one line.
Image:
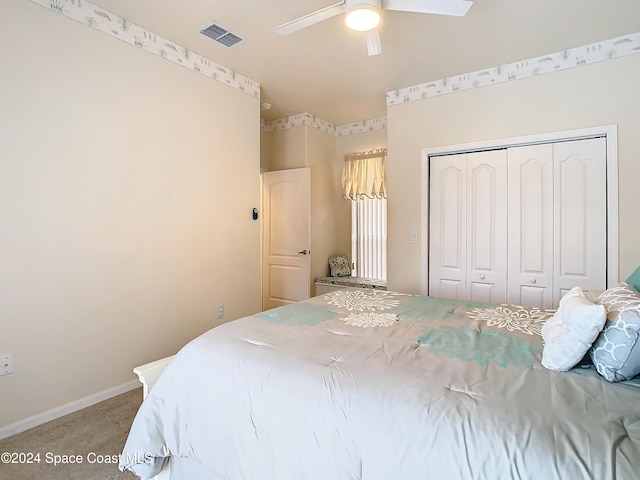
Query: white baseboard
[[44, 417]]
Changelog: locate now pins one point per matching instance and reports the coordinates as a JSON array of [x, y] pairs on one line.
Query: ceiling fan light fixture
[[363, 17]]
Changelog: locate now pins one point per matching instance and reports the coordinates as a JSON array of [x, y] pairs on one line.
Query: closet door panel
[[447, 227], [487, 226], [532, 296], [580, 215], [530, 231]]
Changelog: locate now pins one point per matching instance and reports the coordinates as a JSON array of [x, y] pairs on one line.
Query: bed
[[380, 385]]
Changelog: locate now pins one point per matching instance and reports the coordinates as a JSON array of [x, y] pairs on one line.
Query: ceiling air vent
[[221, 35]]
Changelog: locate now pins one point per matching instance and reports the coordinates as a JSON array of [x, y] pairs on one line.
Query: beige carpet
[[97, 430]]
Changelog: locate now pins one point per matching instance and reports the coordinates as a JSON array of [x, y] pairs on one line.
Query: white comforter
[[373, 385]]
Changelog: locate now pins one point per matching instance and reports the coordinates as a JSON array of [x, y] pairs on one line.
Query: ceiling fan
[[364, 15]]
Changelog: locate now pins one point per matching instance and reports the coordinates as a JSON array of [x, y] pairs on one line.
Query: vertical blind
[[364, 183], [369, 237]]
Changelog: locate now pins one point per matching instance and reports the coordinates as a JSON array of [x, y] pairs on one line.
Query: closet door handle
[[533, 280], [481, 277]]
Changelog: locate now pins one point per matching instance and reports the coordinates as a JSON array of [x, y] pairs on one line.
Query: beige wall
[[330, 214], [305, 146], [286, 149], [325, 199], [126, 189], [361, 142], [598, 94], [265, 150]]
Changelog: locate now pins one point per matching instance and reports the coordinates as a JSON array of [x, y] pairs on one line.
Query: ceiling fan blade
[[456, 8], [312, 18], [374, 46]]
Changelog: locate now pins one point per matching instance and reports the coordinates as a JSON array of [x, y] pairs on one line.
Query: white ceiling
[[324, 69]]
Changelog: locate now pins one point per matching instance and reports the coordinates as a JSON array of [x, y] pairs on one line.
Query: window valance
[[364, 174]]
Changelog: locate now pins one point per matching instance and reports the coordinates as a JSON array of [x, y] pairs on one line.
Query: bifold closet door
[[522, 225], [448, 226], [557, 220], [530, 172], [580, 216], [487, 226], [468, 220]]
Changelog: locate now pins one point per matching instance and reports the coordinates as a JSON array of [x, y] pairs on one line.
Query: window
[[364, 183], [369, 237]]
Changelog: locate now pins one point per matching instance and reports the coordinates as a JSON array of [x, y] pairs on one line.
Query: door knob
[[533, 280], [482, 277], [304, 252]]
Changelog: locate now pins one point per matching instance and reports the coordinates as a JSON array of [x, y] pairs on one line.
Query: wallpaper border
[[307, 119], [555, 62], [120, 28]]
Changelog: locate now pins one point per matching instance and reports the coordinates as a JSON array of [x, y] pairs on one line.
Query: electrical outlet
[[220, 311], [6, 364]]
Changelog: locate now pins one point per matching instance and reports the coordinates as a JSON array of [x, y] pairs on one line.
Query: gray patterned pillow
[[339, 266], [616, 351]]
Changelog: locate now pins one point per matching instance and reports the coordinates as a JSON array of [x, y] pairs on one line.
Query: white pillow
[[569, 333]]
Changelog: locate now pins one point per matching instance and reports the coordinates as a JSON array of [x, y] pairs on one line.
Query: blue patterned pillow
[[616, 352], [339, 266]]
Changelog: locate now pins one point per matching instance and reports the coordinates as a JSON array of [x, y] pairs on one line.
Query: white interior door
[[448, 227], [562, 217], [468, 221], [530, 170], [286, 237], [580, 216], [487, 226]]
